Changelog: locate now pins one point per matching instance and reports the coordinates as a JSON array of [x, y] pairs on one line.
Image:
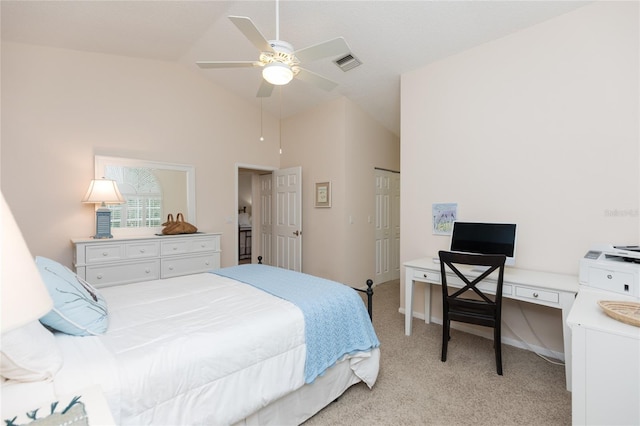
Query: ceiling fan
[[280, 63]]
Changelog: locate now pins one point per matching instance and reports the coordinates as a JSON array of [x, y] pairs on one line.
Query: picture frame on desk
[[323, 194]]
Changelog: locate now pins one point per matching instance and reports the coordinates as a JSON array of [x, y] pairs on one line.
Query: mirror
[[152, 190]]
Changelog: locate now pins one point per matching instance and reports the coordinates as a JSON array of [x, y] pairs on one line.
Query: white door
[[387, 226], [266, 214], [395, 226], [287, 219], [383, 227]]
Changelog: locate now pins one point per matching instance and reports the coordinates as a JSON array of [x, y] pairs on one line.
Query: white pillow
[[29, 354], [78, 308]]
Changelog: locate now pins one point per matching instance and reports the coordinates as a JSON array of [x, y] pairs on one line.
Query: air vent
[[347, 62]]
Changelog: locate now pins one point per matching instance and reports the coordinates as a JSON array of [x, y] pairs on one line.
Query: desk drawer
[[428, 276], [544, 295]]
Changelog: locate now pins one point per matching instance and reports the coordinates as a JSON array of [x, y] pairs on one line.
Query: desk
[[542, 288], [605, 361]]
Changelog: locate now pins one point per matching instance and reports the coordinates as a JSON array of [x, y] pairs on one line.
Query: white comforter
[[199, 349], [173, 353]]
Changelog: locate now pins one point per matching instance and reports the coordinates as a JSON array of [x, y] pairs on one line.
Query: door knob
[[296, 233]]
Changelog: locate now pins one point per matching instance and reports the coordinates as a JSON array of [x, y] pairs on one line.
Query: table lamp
[[24, 296], [103, 192]]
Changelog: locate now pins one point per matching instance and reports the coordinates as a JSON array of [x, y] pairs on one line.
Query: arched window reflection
[[143, 194]]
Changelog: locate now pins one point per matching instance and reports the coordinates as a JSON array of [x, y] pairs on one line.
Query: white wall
[[340, 143], [541, 128], [55, 120], [62, 107]]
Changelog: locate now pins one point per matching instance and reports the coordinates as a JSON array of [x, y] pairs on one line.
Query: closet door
[[387, 226]]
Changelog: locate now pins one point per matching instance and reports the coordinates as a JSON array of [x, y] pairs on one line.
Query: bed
[[235, 346]]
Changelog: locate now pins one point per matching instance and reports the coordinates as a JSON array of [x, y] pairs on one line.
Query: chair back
[[485, 302]]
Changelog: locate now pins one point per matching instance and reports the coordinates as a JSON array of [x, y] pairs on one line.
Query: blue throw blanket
[[336, 320]]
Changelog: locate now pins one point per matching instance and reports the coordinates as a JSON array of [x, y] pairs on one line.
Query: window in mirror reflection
[[143, 194]]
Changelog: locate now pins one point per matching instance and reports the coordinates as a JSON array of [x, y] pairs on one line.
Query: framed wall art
[[444, 214], [323, 194]]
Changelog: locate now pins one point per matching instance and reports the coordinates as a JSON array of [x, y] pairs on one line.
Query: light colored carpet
[[415, 388]]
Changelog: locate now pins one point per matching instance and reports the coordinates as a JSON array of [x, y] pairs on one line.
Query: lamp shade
[[24, 296], [103, 191], [277, 73]]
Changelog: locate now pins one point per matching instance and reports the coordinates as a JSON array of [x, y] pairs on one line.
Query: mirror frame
[[190, 191]]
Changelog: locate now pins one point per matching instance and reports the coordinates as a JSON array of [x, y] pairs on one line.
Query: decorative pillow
[[78, 308], [29, 354]]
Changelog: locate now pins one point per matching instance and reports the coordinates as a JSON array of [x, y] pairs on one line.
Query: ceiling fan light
[[277, 73]]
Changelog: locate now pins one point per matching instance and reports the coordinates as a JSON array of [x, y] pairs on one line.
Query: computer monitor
[[485, 238]]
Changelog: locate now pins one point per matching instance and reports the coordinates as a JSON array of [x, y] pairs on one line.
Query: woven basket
[[626, 312]]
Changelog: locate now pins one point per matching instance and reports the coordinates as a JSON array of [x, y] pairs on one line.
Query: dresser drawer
[[546, 296], [189, 245], [200, 244], [142, 249], [184, 265], [104, 253], [121, 273]]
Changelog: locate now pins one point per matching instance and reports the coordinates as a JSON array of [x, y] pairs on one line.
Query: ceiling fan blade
[[228, 64], [251, 32], [335, 47], [265, 89], [316, 79]]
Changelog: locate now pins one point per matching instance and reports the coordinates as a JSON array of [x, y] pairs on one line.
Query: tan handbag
[[168, 224], [169, 220], [179, 226]]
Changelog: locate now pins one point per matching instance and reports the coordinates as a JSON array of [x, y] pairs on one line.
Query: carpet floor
[[415, 388]]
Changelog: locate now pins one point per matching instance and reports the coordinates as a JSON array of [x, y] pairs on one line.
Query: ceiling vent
[[347, 62]]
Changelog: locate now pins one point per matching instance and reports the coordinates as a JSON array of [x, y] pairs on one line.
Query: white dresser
[[116, 261]]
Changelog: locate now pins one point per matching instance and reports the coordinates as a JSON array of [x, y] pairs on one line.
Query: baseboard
[[546, 352]]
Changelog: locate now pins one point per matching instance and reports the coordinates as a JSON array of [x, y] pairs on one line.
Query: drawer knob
[[171, 268], [609, 276], [206, 263], [142, 250], [147, 270], [203, 245], [99, 276], [175, 248], [424, 275], [535, 294], [104, 253]]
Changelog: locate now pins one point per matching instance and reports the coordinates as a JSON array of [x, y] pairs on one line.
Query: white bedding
[[198, 349]]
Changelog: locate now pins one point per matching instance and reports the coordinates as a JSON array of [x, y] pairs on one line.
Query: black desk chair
[[484, 310]]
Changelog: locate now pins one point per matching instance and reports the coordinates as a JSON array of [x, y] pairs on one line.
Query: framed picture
[[444, 214], [323, 194]]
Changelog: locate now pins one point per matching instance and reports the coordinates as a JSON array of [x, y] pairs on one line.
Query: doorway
[[249, 239], [269, 216]]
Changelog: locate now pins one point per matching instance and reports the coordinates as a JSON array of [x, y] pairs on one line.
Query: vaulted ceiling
[[388, 37]]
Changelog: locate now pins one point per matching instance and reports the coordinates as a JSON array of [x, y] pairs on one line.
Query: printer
[[612, 268]]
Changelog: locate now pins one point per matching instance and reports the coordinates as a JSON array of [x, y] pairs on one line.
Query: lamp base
[[103, 223]]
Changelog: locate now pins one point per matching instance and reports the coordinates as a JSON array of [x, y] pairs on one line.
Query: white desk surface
[[538, 279]]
